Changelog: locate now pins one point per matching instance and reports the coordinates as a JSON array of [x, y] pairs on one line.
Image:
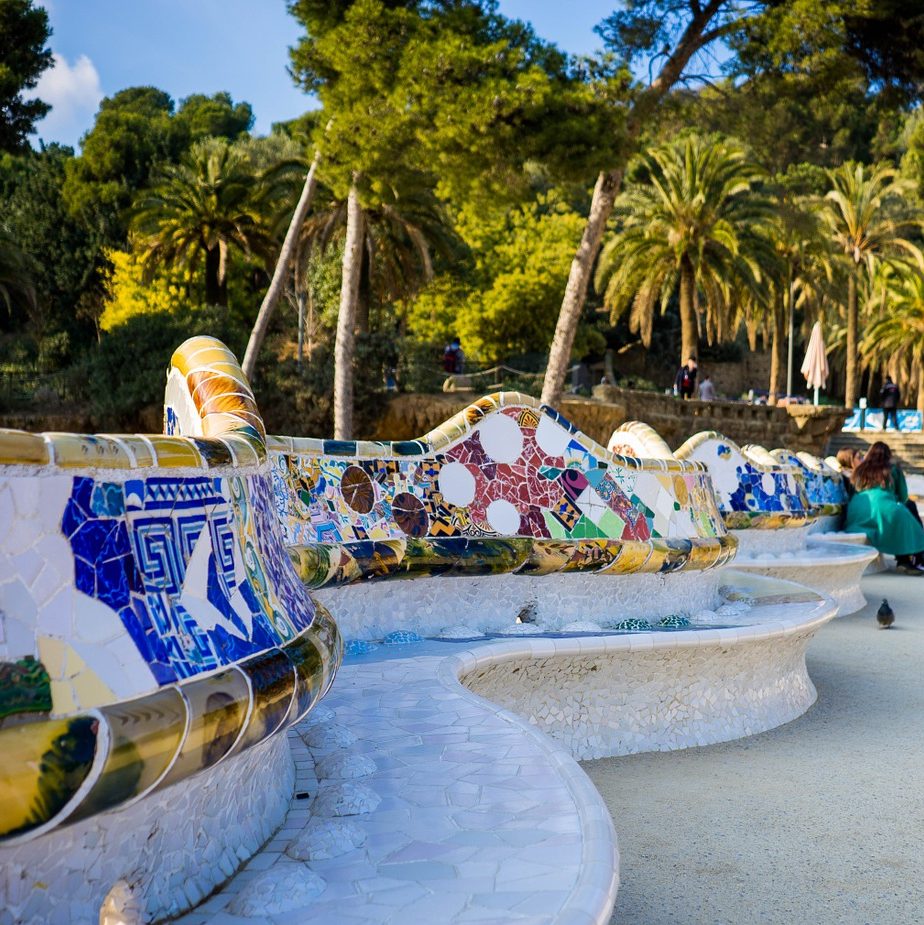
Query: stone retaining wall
[[799, 427]]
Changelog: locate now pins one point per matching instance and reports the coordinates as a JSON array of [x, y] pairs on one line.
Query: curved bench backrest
[[824, 486], [505, 485], [635, 438], [153, 624], [752, 491]]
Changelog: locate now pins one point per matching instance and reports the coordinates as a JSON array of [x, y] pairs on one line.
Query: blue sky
[[203, 46]]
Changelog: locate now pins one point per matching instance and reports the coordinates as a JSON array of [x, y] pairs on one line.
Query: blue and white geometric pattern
[[182, 560]]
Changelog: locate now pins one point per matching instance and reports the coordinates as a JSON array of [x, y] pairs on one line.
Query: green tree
[[132, 133], [17, 291], [60, 250], [788, 118], [505, 304], [894, 341], [799, 277], [867, 220], [135, 132], [23, 57], [202, 208], [912, 161], [217, 116], [419, 88], [783, 36], [694, 222]]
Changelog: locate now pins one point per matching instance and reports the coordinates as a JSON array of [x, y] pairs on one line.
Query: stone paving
[[478, 818], [817, 821]]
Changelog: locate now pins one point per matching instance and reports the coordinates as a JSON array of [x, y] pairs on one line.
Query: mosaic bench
[[207, 601], [828, 496], [467, 804], [506, 519], [155, 644], [766, 503], [506, 510]]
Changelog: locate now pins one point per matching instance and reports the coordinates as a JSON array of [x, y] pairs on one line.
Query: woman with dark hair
[[848, 460], [877, 509]]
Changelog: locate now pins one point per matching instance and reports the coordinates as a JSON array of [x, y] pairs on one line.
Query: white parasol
[[815, 364]]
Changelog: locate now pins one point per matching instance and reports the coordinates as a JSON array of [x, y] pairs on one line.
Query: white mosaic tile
[[147, 846]]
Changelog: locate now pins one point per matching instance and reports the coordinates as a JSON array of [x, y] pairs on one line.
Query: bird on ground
[[885, 615]]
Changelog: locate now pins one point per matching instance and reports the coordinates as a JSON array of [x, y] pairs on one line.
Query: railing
[[909, 421], [21, 387]]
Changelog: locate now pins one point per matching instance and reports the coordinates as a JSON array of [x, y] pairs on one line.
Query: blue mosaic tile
[[401, 638], [359, 647], [139, 550], [633, 623]]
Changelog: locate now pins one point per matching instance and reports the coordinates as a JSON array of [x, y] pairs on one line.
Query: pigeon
[[885, 615]]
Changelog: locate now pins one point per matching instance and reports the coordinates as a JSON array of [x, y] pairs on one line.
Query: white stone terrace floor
[[478, 817], [821, 820]]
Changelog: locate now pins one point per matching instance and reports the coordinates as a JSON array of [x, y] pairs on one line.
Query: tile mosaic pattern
[[159, 856], [824, 485], [508, 485], [477, 816], [751, 491], [151, 622], [635, 438]]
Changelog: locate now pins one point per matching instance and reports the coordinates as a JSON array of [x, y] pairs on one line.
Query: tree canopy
[[23, 57]]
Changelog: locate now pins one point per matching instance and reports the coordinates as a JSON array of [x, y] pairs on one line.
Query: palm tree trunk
[[605, 192], [695, 36], [346, 319], [277, 284], [776, 354], [302, 298], [850, 389], [689, 335], [213, 288]]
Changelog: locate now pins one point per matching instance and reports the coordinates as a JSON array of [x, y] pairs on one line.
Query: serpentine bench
[[155, 644], [159, 637], [766, 503], [506, 510]]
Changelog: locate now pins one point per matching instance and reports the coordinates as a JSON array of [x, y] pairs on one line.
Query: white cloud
[[74, 93]]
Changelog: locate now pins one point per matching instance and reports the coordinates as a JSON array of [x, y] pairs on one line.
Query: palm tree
[[388, 255], [866, 218], [895, 340], [694, 222], [17, 289], [797, 278], [203, 206], [287, 255]]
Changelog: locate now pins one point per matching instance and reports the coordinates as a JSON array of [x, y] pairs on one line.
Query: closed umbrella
[[815, 364]]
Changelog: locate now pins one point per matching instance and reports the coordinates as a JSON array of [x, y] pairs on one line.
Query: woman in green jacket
[[877, 509]]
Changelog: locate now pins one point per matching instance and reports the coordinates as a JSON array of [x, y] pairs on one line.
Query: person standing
[[453, 357], [706, 389], [889, 398], [685, 380]]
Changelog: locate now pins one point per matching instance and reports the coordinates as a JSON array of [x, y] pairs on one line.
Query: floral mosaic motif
[[188, 565], [505, 470], [750, 492]]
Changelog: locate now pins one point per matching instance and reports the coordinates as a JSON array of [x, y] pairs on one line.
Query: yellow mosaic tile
[[245, 450], [138, 447], [85, 451], [176, 453], [20, 448]]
